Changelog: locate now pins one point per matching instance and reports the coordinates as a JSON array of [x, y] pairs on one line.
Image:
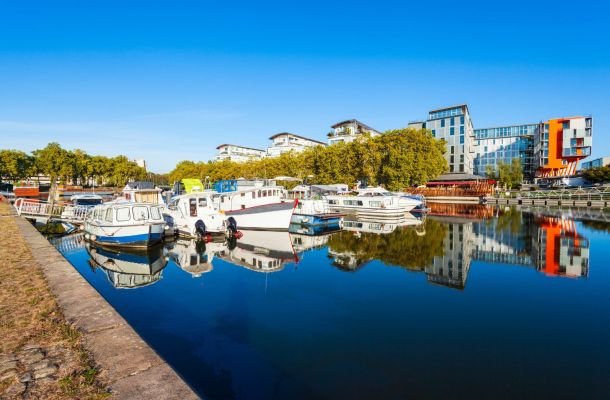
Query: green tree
[[15, 165]]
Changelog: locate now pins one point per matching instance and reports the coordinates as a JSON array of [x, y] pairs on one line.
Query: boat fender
[[200, 229], [208, 237], [93, 238], [86, 236], [232, 224], [81, 228], [238, 235]]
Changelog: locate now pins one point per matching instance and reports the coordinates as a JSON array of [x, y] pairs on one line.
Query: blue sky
[[168, 81]]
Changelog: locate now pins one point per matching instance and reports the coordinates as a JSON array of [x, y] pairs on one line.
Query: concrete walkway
[[130, 368]]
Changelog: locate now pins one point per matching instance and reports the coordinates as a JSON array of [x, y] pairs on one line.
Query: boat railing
[[45, 210]]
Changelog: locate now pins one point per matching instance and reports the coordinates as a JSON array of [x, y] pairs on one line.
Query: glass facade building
[[546, 149], [502, 145]]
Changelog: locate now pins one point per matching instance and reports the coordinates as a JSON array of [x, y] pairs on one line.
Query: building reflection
[[451, 269], [452, 242], [560, 250]]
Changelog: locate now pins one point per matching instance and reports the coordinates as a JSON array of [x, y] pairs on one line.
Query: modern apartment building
[[503, 144], [348, 131], [560, 144], [285, 142], [237, 153], [453, 124], [548, 149]]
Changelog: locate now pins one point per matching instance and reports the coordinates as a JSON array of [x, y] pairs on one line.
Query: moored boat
[[125, 224], [373, 201], [253, 205], [315, 212], [196, 214]]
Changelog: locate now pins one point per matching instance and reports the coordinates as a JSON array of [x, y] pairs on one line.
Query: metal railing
[[601, 193], [45, 210]]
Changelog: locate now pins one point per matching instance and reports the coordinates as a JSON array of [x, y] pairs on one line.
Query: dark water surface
[[481, 303]]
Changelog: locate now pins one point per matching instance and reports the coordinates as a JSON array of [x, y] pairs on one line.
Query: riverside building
[[350, 130], [547, 150], [453, 124], [237, 153], [285, 142]]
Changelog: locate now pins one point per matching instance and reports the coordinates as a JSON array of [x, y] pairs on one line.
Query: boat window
[[108, 216], [203, 202], [123, 214], [193, 207], [375, 203], [264, 193], [173, 205], [243, 195], [259, 193], [254, 194], [155, 213], [140, 213]]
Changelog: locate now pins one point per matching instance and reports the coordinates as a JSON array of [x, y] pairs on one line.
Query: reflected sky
[[467, 302]]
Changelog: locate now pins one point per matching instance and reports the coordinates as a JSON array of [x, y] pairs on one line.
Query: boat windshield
[[87, 202]]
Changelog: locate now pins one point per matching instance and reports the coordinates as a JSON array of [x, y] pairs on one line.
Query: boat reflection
[[261, 251], [195, 256], [128, 269], [374, 225]]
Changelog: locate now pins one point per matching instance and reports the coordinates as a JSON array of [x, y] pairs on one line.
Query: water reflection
[[194, 256], [261, 251], [445, 245], [128, 269], [352, 313]]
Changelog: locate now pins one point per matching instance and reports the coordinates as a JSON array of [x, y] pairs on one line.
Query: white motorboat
[[197, 214], [372, 201], [315, 212], [253, 206], [128, 224]]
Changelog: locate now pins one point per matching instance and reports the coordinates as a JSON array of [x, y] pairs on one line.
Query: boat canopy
[[228, 185], [192, 185]]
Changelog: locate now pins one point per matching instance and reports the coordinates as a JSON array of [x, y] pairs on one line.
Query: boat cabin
[[126, 213]]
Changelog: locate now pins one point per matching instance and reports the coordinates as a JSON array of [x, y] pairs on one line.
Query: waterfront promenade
[[61, 339]]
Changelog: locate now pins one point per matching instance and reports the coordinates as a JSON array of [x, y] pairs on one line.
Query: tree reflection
[[404, 247]]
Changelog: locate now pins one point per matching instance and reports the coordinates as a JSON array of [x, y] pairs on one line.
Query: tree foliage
[[15, 165], [403, 247], [76, 167], [510, 175], [597, 175], [395, 159]]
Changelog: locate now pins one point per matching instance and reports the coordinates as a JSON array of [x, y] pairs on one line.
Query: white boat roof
[[86, 196]]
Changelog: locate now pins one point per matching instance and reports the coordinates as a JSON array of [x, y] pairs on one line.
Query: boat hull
[[273, 217], [125, 236], [316, 220]]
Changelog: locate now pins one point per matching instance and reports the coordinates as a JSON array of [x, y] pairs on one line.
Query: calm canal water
[[470, 303]]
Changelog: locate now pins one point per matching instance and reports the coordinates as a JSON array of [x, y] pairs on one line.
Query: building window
[[452, 149], [453, 121], [462, 130], [452, 131], [452, 159], [434, 132], [461, 139], [462, 120], [442, 123], [461, 167]]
